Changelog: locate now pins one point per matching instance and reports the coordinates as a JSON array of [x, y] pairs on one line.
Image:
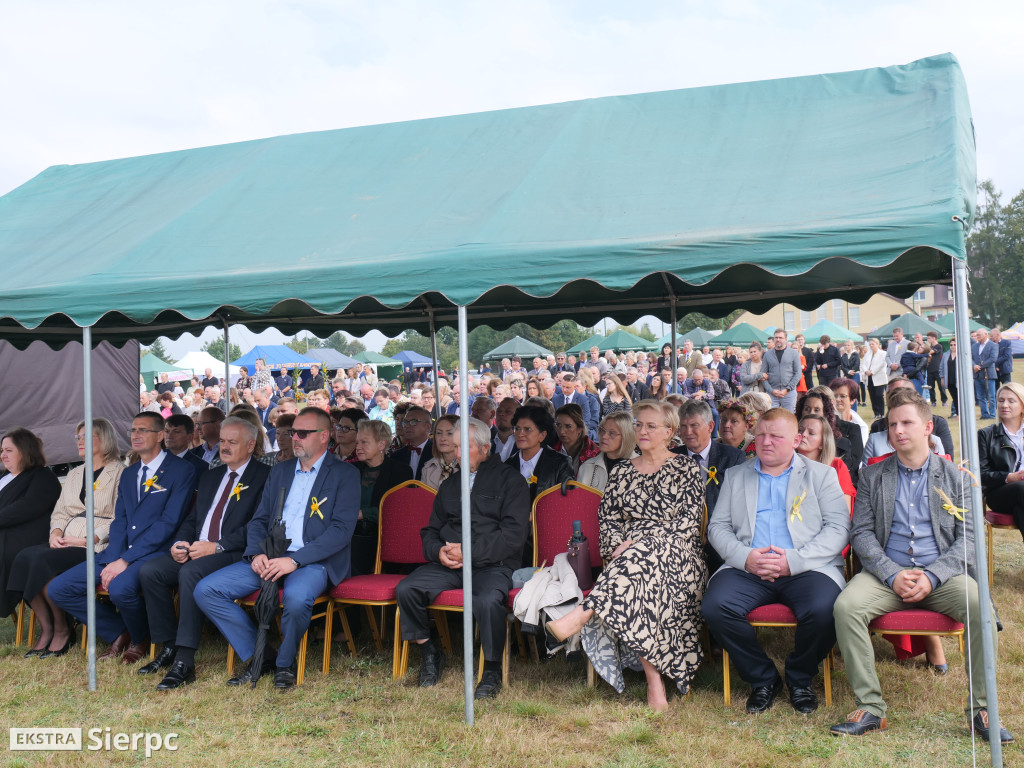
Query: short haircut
[[375, 428], [156, 418], [322, 417], [779, 414], [286, 399], [852, 390], [897, 328], [692, 409], [574, 412], [479, 432], [932, 335], [486, 400], [675, 399], [541, 418], [107, 438], [355, 415], [755, 345], [1015, 388], [212, 413], [419, 410], [251, 430], [903, 396], [30, 447], [541, 402], [180, 420], [623, 421], [897, 380], [382, 392], [668, 412], [824, 339], [566, 376]]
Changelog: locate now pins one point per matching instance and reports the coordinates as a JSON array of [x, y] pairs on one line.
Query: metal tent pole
[[968, 426], [675, 361], [227, 366], [467, 552], [433, 352], [90, 524]]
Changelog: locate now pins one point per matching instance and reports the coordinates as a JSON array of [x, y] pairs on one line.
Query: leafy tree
[[215, 348], [302, 344], [157, 348], [644, 332], [343, 344], [693, 320], [995, 252]]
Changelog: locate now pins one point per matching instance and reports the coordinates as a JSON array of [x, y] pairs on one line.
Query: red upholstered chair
[[918, 621], [404, 512], [300, 661], [992, 520], [774, 615]]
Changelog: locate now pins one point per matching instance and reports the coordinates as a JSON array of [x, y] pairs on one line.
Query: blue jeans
[[985, 394], [216, 594]]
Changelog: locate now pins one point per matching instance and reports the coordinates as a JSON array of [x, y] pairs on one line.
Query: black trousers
[[877, 395], [933, 380], [490, 602], [732, 594], [1008, 500], [159, 578]]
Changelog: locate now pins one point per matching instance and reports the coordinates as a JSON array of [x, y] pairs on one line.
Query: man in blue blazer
[[983, 355], [153, 497], [320, 511], [1004, 356]]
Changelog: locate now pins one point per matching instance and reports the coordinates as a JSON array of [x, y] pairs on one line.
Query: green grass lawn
[[546, 717]]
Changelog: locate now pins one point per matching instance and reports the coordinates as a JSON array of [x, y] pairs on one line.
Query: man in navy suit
[[419, 447], [1004, 356], [983, 355], [320, 511], [210, 538], [153, 496]]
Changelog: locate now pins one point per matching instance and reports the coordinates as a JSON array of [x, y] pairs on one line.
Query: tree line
[[995, 258]]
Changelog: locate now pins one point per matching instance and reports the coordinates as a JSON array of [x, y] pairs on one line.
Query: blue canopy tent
[[276, 356]]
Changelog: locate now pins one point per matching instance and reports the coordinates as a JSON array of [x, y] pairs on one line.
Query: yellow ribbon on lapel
[[96, 485], [532, 480], [950, 507], [795, 513], [314, 507], [237, 491], [151, 484], [712, 475]]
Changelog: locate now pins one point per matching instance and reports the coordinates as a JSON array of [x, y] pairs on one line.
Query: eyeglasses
[[411, 422], [637, 425], [609, 433], [523, 430], [339, 428], [135, 431], [302, 434]]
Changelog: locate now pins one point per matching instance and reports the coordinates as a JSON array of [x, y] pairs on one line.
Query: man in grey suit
[[782, 364], [894, 351], [984, 354], [780, 525], [912, 533]]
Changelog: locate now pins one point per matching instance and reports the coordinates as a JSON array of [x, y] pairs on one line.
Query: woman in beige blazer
[[35, 566]]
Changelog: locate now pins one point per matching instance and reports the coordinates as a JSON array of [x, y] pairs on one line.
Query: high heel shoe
[[72, 640], [35, 652]]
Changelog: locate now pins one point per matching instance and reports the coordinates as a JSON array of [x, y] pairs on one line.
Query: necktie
[[218, 511], [416, 449], [142, 482]]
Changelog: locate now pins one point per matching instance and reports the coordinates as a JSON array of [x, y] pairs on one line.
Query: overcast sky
[[87, 81]]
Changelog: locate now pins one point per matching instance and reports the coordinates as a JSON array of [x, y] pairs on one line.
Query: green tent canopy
[[517, 346], [739, 336], [150, 364], [584, 346], [911, 324], [697, 335], [947, 320], [623, 341], [798, 189], [387, 367], [834, 331]]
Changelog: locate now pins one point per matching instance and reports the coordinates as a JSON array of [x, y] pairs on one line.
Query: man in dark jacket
[[500, 518], [827, 361]]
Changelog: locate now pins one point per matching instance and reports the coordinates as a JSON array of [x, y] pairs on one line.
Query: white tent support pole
[[90, 522], [969, 427], [675, 361], [433, 354], [227, 364], [467, 543]]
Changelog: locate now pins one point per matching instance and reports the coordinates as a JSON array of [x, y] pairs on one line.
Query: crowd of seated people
[[739, 441]]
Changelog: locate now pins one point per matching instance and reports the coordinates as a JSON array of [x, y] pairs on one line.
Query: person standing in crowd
[[209, 380], [782, 366], [894, 351], [875, 370], [616, 395], [827, 361], [753, 374], [983, 357], [849, 367], [1004, 356], [808, 355], [314, 381], [947, 369], [933, 372]]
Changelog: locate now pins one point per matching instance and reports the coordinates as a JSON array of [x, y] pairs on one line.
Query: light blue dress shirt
[[296, 505], [770, 528]]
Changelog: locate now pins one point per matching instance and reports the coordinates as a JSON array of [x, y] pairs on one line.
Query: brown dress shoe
[[135, 653], [116, 648]]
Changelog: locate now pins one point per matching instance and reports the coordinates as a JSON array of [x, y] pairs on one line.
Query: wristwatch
[[218, 548], [294, 562]]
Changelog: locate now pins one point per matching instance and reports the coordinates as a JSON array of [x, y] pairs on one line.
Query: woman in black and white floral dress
[[644, 609]]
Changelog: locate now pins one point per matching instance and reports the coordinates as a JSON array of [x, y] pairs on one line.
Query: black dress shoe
[[71, 643], [804, 700], [178, 675], [35, 652], [980, 726], [762, 697], [431, 667], [489, 686], [284, 678], [858, 723], [245, 676], [163, 659]]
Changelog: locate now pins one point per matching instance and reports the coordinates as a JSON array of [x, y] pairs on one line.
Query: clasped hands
[[768, 563], [912, 585], [182, 550], [451, 555], [272, 569]]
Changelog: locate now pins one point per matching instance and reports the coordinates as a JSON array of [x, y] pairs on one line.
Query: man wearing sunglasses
[[320, 511], [418, 449]]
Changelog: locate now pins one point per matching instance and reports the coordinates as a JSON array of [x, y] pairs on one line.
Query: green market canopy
[[623, 341], [706, 198], [517, 346], [911, 324], [739, 336], [834, 331]]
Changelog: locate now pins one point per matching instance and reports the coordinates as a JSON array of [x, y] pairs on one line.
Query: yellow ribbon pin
[[795, 515], [532, 480], [314, 507], [712, 475], [96, 485], [237, 490], [950, 507], [150, 484]]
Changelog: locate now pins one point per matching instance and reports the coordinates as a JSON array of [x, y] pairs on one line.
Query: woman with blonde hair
[[585, 385], [378, 474], [616, 443], [644, 609], [444, 462]]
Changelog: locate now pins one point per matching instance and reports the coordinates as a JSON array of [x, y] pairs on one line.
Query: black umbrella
[[268, 601]]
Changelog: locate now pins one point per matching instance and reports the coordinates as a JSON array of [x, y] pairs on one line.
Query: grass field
[[547, 716]]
